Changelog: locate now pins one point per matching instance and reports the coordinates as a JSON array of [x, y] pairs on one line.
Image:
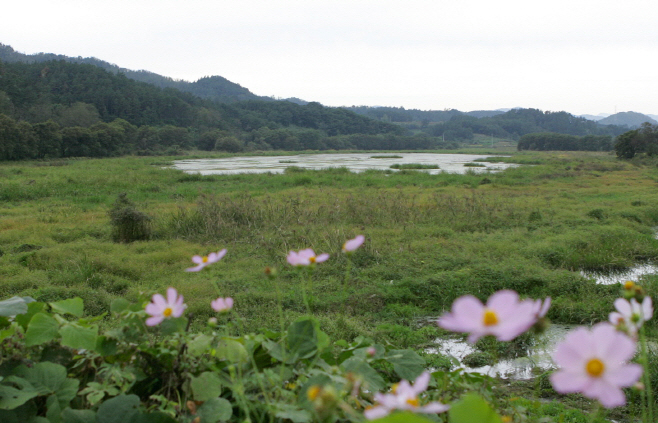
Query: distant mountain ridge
[[448, 124], [630, 119], [215, 88]]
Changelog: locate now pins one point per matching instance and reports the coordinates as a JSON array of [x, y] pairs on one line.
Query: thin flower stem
[[647, 392], [279, 300], [348, 269], [305, 295]]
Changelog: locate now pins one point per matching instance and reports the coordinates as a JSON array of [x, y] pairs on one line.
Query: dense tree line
[[43, 140], [638, 141], [46, 140], [547, 141]]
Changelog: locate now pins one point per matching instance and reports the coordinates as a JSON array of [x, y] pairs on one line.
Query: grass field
[[429, 238]]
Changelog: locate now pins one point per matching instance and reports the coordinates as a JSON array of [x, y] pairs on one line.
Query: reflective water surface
[[537, 360], [633, 274], [356, 162]]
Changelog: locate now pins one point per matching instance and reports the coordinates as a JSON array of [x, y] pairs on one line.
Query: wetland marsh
[[430, 238]]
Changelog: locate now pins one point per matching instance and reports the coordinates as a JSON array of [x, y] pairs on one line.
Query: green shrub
[[128, 223]]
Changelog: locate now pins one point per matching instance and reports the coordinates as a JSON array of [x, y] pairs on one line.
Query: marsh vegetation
[[429, 239]]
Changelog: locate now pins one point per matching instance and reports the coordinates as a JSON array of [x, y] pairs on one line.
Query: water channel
[[356, 162], [538, 358]]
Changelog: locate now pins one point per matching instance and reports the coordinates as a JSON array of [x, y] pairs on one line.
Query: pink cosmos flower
[[504, 316], [222, 305], [404, 397], [305, 257], [160, 308], [594, 364], [630, 315], [353, 244], [206, 260], [541, 307]]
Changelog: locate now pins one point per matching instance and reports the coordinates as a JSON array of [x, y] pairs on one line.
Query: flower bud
[[271, 272]]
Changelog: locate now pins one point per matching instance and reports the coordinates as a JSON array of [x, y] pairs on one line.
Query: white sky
[[581, 56]]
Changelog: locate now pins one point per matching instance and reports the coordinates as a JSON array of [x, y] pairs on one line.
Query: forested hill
[[215, 88], [630, 119], [63, 109], [36, 92], [456, 125]]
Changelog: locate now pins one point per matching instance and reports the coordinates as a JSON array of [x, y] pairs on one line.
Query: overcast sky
[[580, 56]]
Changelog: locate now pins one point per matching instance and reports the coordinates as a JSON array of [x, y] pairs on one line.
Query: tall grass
[[430, 238]]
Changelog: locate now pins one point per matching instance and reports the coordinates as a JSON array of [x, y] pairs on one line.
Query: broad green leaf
[[118, 305], [199, 345], [215, 410], [73, 306], [79, 337], [78, 416], [303, 341], [207, 386], [7, 333], [53, 410], [121, 409], [25, 413], [42, 328], [32, 309], [408, 417], [155, 417], [50, 378], [406, 363], [45, 376], [173, 325], [12, 397], [67, 391], [293, 413], [371, 379], [13, 306], [232, 351], [106, 346], [472, 408], [274, 349]]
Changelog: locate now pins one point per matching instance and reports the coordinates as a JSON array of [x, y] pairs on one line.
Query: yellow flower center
[[313, 392], [629, 285], [394, 388], [167, 311], [413, 402], [312, 259], [595, 367], [205, 259], [490, 317]]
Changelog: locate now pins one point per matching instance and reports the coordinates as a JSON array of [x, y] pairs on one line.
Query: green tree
[[78, 114], [636, 141], [49, 139]]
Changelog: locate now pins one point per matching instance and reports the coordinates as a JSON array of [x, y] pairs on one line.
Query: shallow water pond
[[356, 162], [634, 274], [537, 361]]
